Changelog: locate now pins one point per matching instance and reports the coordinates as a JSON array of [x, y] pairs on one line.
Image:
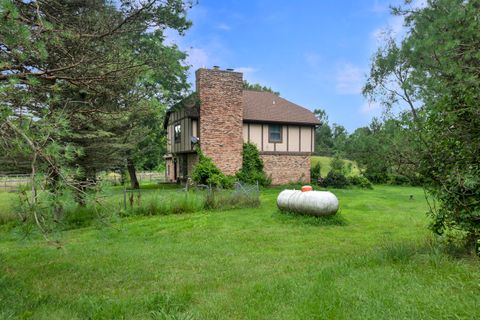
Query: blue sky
[[316, 53]]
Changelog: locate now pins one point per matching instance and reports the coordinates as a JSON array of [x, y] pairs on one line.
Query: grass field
[[325, 164], [376, 260]]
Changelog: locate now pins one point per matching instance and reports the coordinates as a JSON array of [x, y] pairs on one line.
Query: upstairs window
[[177, 133], [275, 133]]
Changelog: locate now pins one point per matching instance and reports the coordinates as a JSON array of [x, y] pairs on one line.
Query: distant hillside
[[325, 164]]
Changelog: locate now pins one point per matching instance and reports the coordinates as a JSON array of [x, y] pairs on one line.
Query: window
[[177, 133], [275, 133]]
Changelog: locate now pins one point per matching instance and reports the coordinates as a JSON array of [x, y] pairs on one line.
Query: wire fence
[[13, 182], [191, 197]]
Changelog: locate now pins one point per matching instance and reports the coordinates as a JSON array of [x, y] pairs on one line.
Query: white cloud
[[370, 107], [379, 7], [246, 70], [172, 37], [394, 28], [197, 58], [349, 79], [224, 27], [395, 24]]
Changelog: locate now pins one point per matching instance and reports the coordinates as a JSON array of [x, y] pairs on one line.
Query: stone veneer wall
[[221, 112], [287, 168], [169, 174], [192, 160]]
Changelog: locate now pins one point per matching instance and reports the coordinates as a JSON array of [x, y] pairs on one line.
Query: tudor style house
[[221, 116]]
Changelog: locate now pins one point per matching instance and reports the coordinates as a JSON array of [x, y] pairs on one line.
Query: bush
[[337, 165], [397, 179], [360, 181], [206, 172], [335, 179], [252, 167], [376, 177], [315, 173]]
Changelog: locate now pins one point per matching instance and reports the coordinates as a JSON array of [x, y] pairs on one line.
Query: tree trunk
[[53, 185], [133, 175]]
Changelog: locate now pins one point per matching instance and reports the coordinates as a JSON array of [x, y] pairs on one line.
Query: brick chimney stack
[[221, 117]]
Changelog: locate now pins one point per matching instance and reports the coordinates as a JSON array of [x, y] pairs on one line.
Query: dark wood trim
[[306, 124], [186, 117], [299, 139], [285, 153], [184, 152], [173, 131], [186, 141], [288, 142], [262, 138], [311, 139]]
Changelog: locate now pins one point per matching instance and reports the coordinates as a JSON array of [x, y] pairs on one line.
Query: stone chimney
[[221, 117]]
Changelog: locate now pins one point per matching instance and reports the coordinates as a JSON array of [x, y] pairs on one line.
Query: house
[[221, 116]]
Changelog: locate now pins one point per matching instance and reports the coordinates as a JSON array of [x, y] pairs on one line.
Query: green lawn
[[325, 164], [7, 200], [374, 262]]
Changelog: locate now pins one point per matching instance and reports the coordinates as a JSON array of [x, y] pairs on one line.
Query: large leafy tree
[[74, 73], [435, 73], [323, 134]]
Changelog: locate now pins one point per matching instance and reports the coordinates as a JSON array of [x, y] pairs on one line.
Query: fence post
[[125, 197]]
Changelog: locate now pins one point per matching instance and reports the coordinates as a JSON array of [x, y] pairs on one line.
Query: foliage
[[207, 265], [75, 76], [335, 179], [252, 167], [315, 172], [323, 134], [337, 165], [258, 87], [360, 181], [398, 179], [207, 173], [370, 147], [434, 73], [326, 161]]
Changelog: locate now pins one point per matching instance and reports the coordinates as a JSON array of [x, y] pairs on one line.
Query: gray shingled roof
[[268, 107]]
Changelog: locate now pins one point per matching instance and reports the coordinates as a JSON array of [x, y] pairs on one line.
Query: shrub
[[252, 167], [397, 179], [348, 168], [206, 172], [376, 177], [315, 173], [360, 181], [335, 179], [337, 165]]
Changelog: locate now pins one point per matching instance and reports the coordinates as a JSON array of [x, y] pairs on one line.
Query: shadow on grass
[[289, 217]]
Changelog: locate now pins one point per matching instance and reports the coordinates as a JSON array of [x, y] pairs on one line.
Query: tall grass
[[104, 207]]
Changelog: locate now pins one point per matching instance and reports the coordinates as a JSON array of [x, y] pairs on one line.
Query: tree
[[323, 134], [258, 87], [339, 135], [435, 73], [73, 72]]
